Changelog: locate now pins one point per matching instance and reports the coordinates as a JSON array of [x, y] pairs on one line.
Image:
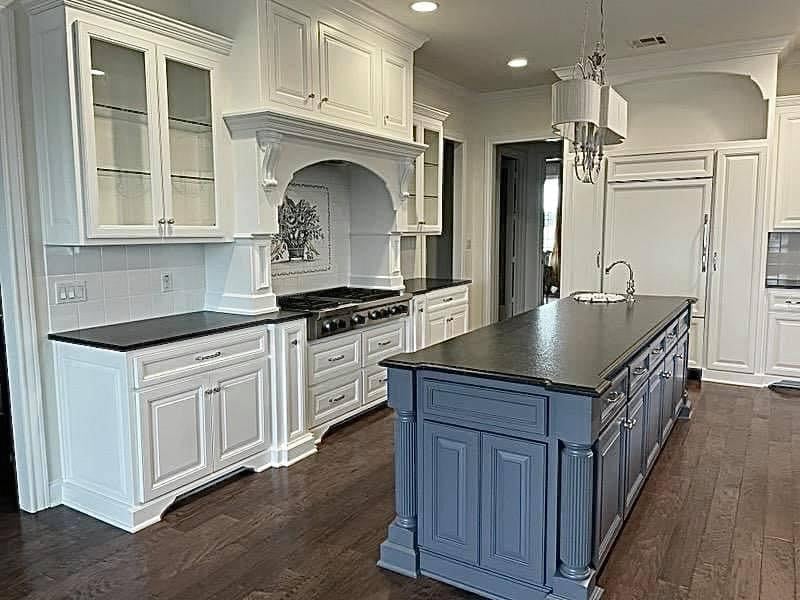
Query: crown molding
[[366, 16], [261, 123], [785, 101], [440, 83], [140, 18], [536, 92], [672, 60], [430, 112]]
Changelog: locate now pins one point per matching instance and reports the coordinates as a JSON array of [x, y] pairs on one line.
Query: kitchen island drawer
[[382, 342], [333, 358], [614, 398], [334, 398], [638, 371], [501, 407], [183, 359]]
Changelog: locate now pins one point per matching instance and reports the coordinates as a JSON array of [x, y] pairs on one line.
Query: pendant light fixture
[[586, 111]]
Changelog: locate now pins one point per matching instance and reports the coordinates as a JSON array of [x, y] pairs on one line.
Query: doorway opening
[[528, 190], [8, 478]]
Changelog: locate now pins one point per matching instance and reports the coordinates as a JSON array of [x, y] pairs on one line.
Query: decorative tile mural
[[303, 243]]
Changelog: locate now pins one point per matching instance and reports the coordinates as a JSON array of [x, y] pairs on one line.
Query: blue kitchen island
[[520, 448]]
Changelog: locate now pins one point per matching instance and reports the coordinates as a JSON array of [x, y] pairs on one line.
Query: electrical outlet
[[166, 281], [69, 292]]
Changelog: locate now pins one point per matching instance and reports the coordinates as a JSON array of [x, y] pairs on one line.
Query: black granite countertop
[[566, 345], [782, 283], [423, 285], [134, 335]]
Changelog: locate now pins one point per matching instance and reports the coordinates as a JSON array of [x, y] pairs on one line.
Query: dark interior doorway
[[439, 248], [8, 479]]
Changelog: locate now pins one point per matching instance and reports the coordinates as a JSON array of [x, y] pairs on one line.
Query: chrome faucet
[[631, 290]]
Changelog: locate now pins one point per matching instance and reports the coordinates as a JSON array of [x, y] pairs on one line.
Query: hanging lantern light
[[586, 111]]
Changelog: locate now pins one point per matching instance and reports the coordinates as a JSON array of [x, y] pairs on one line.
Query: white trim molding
[[366, 16], [27, 410], [141, 18], [430, 112]]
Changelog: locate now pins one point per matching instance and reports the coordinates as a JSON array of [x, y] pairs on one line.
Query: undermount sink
[[598, 297]]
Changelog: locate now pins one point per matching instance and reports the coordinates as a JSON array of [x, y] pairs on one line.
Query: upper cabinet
[[786, 159], [340, 69], [422, 212], [131, 153]]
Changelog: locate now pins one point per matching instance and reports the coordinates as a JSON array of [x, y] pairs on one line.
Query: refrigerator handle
[[704, 258]]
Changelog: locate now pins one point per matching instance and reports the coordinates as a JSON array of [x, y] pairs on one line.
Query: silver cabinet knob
[[171, 222], [666, 375], [162, 221]]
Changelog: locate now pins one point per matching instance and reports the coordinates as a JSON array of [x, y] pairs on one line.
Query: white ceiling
[[471, 40]]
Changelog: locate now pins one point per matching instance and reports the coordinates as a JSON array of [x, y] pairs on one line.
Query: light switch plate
[[166, 282], [70, 292]]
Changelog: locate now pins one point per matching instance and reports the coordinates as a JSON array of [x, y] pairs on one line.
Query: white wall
[[789, 74]]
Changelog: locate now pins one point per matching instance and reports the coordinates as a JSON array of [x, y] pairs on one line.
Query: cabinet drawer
[[333, 358], [784, 301], [638, 371], [383, 342], [447, 297], [175, 361], [614, 398], [496, 407], [657, 349], [668, 165], [375, 384], [683, 322], [335, 398], [671, 335]]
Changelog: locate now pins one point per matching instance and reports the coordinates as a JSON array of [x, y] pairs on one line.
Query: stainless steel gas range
[[342, 309]]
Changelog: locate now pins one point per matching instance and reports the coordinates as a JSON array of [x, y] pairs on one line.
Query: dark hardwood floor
[[719, 518]]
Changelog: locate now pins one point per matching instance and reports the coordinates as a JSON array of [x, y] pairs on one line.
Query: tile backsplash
[[123, 283]]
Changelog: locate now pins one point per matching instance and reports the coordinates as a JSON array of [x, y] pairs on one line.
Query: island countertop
[[566, 345]]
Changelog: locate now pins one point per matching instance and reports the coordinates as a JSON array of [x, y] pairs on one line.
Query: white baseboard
[[742, 379], [55, 492]]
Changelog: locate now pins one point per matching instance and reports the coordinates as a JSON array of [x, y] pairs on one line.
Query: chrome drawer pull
[[630, 423], [666, 375], [671, 336], [679, 357], [657, 351], [336, 358], [384, 343], [203, 357], [639, 371], [384, 380], [791, 302], [448, 299], [337, 399], [615, 397]]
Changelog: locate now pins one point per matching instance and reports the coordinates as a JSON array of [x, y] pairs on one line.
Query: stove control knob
[[358, 319], [341, 324], [384, 312], [394, 310], [374, 315], [402, 309], [329, 326]]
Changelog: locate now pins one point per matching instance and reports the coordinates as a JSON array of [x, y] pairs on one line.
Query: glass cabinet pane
[[431, 178], [122, 134], [191, 145]]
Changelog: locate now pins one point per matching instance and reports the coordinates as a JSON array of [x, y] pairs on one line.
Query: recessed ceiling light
[[519, 62], [424, 6]]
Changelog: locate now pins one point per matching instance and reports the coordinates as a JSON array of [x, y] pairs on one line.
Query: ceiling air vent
[[649, 41]]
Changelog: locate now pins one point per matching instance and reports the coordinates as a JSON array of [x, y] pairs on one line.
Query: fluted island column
[[399, 550], [575, 520]]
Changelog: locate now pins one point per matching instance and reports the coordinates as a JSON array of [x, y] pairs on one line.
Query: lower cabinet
[[635, 458], [484, 500], [667, 374], [609, 482], [681, 374], [783, 344], [652, 426], [438, 316]]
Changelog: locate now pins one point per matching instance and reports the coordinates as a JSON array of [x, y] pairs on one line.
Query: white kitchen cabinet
[[291, 69], [783, 344], [458, 322], [241, 395], [662, 229], [175, 434], [436, 326], [697, 343], [438, 316], [322, 64], [582, 230], [736, 260], [130, 152], [786, 158]]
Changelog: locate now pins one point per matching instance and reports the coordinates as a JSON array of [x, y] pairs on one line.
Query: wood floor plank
[[777, 571]]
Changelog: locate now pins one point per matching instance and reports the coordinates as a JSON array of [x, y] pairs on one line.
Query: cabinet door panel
[[291, 73], [240, 415], [668, 259], [457, 321], [436, 327], [667, 391], [117, 80], [188, 135], [449, 517], [681, 354], [783, 344], [787, 175], [652, 416], [635, 459], [396, 78], [608, 486], [176, 435], [348, 70], [738, 210], [513, 475]]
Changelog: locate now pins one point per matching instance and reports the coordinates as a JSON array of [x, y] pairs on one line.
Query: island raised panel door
[[787, 174], [240, 398], [635, 459], [678, 388], [176, 435], [396, 97], [349, 74], [451, 468], [291, 56], [609, 475], [513, 476], [652, 436], [436, 327], [667, 375]]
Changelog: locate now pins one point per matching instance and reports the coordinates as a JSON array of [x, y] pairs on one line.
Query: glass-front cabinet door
[[187, 141], [431, 199], [120, 129]]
